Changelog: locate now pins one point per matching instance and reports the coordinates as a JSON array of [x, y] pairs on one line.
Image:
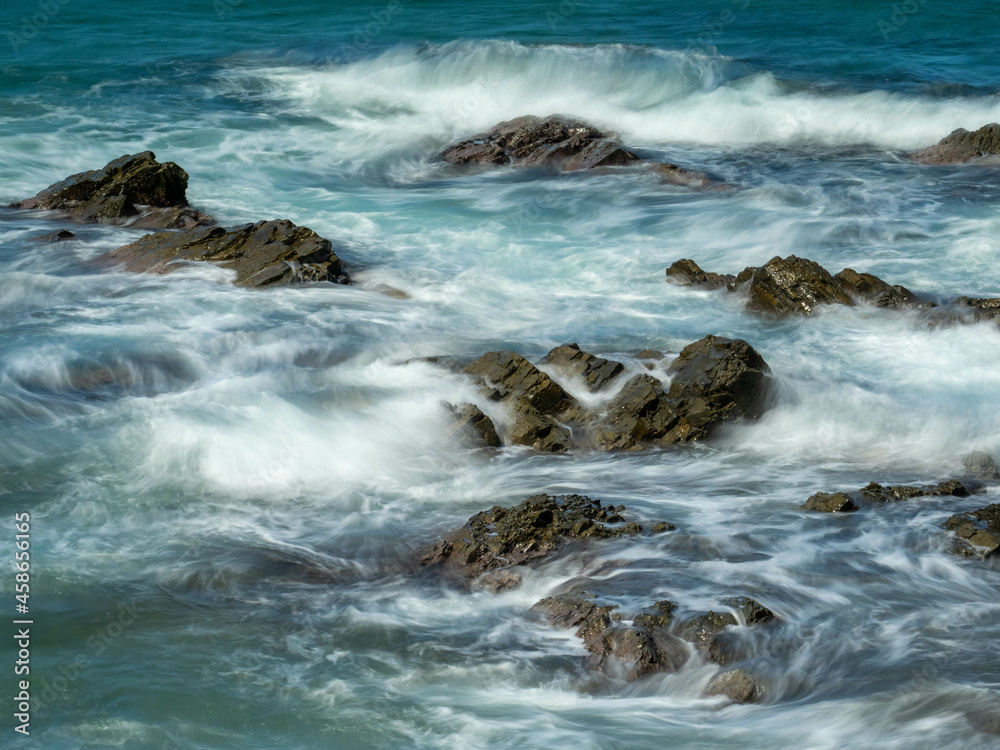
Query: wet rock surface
[[469, 422], [792, 285], [739, 685], [534, 529], [651, 641], [713, 380], [563, 143], [596, 372], [873, 492], [978, 529], [134, 185], [962, 146], [263, 254]]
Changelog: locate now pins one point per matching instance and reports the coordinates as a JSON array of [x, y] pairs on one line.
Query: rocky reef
[[133, 189]]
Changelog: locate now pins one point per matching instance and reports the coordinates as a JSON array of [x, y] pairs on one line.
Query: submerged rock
[[469, 422], [830, 502], [537, 527], [651, 642], [738, 685], [962, 146], [982, 464], [262, 254], [979, 528], [561, 142], [61, 236], [129, 186]]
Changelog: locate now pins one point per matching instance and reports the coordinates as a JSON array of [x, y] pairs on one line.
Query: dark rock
[[982, 464], [753, 611], [963, 146], [470, 422], [870, 288], [738, 685], [980, 528], [716, 380], [662, 527], [113, 194], [61, 236], [172, 217], [596, 372], [503, 537], [827, 502], [628, 651], [784, 286], [686, 272], [655, 354], [706, 633], [563, 143], [533, 141], [537, 401], [262, 254], [640, 414], [875, 492]]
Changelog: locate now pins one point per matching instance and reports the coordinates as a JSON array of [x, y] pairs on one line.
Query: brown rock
[[827, 502], [262, 254], [784, 286], [963, 146], [738, 685], [686, 272], [470, 423], [596, 372], [981, 528], [639, 415]]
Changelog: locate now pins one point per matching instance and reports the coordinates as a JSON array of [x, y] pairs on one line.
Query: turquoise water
[[186, 448]]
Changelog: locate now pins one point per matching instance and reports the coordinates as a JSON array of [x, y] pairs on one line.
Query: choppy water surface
[[188, 450]]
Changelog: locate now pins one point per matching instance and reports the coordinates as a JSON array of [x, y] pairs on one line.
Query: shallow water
[[189, 451]]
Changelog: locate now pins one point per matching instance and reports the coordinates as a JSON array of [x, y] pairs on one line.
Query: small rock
[[686, 272], [61, 236], [753, 611], [654, 354], [827, 502], [640, 414], [470, 422], [784, 286], [662, 526], [738, 685]]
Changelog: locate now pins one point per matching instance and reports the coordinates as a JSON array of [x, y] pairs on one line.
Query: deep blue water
[[174, 438]]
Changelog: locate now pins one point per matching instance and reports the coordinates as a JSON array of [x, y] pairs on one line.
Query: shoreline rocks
[[873, 492], [562, 143], [962, 146], [263, 254], [134, 189]]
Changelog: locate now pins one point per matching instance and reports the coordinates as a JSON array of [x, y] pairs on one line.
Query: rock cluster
[[713, 380], [978, 531], [846, 502], [262, 254], [560, 142], [792, 285], [133, 189]]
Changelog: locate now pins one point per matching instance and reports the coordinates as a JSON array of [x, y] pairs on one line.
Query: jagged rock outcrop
[[534, 529], [262, 254], [962, 146], [133, 189], [978, 531], [560, 142], [713, 380], [792, 285]]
